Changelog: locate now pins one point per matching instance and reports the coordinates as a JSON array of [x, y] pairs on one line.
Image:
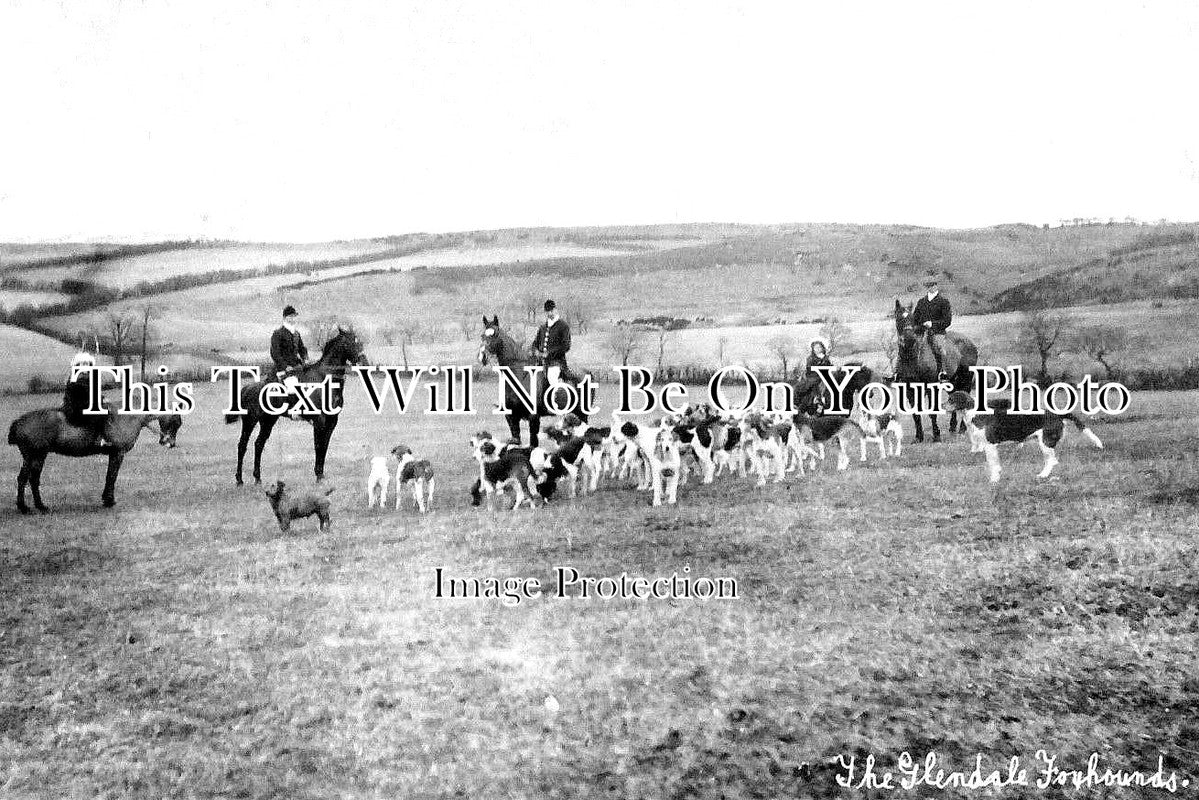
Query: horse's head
[[344, 348], [494, 342], [905, 329]]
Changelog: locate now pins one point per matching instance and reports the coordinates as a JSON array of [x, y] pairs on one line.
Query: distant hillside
[[430, 289], [1158, 265]]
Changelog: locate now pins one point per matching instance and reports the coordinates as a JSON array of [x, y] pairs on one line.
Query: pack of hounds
[[662, 455]]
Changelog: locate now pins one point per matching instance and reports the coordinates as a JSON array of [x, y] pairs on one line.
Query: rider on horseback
[[289, 353], [934, 314], [552, 343], [75, 400], [811, 383]]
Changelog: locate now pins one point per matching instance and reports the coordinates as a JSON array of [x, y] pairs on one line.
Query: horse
[[916, 363], [495, 342], [46, 430], [343, 350]]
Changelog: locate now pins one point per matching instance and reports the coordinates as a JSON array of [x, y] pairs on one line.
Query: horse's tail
[[1087, 432], [232, 418], [12, 432]]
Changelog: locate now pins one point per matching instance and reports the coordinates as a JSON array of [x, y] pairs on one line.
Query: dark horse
[[916, 363], [341, 351], [506, 353], [46, 430]]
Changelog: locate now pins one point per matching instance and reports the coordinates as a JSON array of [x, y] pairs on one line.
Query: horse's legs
[[33, 474], [322, 434], [247, 427], [265, 426], [514, 426], [22, 479], [110, 480], [919, 425], [534, 430], [932, 418]]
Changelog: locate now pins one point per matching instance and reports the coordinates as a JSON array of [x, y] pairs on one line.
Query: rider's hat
[[550, 306], [930, 279], [290, 311]]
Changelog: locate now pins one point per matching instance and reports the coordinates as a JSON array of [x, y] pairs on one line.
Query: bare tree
[[888, 343], [323, 329], [1042, 335], [408, 333], [119, 327], [149, 313], [784, 349], [624, 342], [1104, 343], [722, 344], [835, 332], [574, 311], [530, 304], [661, 331], [468, 323]]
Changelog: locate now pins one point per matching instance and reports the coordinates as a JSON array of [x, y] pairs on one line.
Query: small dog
[[168, 428], [989, 430], [415, 473], [763, 444], [653, 450], [875, 428], [573, 458], [377, 481], [821, 429], [501, 468], [287, 507]]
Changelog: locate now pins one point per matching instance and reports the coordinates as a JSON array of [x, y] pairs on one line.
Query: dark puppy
[[168, 428], [288, 507]]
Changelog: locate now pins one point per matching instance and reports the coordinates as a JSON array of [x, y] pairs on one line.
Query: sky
[[310, 121]]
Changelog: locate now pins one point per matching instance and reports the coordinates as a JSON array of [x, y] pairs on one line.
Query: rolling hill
[[424, 294]]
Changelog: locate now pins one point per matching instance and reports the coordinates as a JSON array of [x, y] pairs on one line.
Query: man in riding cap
[[934, 314], [289, 353], [552, 343], [75, 400]]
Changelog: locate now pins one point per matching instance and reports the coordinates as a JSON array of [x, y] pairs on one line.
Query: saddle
[[951, 357]]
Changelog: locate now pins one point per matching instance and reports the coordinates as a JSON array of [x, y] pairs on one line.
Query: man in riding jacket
[[552, 343], [75, 400], [934, 314], [288, 352]]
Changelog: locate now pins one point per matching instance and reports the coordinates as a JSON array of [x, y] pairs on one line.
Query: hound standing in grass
[[989, 430], [417, 474], [882, 430], [377, 481], [827, 428]]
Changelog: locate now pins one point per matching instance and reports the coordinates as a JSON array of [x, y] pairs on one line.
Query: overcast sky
[[307, 121]]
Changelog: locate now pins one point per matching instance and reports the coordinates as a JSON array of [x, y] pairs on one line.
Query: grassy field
[[180, 646], [28, 354]]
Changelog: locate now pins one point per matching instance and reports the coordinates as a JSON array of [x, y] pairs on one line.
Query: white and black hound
[[989, 430], [415, 473]]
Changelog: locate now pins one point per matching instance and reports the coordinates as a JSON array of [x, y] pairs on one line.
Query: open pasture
[[180, 645], [125, 271]]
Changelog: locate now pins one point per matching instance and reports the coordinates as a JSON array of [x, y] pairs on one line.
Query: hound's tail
[[1087, 432], [330, 490]]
